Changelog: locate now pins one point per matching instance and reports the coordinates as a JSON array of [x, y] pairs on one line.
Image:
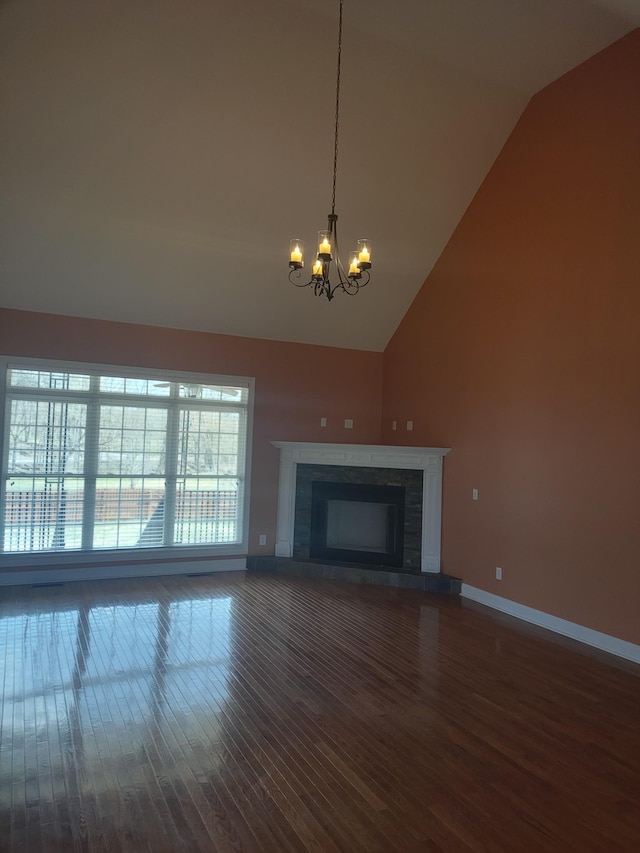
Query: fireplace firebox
[[356, 522]]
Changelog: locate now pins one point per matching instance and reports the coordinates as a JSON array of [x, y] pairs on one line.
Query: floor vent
[[199, 574], [50, 583]]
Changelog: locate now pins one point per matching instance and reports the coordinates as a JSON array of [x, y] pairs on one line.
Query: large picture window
[[101, 459]]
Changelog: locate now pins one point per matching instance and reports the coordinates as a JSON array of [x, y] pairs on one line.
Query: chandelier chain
[[335, 144]]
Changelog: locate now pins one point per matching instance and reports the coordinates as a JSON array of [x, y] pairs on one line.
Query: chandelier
[[357, 275]]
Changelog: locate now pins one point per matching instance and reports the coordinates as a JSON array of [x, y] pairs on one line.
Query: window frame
[[113, 556]]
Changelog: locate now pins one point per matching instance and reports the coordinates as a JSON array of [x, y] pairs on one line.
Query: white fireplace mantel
[[425, 459]]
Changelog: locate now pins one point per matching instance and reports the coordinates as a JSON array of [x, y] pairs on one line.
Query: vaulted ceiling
[[158, 155]]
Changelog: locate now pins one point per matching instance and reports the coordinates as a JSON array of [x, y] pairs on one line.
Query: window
[[97, 459]]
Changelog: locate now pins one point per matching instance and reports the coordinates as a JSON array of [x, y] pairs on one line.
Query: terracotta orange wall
[[522, 353], [296, 384]]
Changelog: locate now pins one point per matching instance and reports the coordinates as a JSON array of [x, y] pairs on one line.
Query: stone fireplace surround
[[428, 460]]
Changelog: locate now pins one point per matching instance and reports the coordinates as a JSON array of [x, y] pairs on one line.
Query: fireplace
[[357, 522], [417, 470]]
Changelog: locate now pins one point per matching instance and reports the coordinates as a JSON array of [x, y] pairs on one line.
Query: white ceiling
[[158, 155]]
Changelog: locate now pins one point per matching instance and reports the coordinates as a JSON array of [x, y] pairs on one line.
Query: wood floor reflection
[[260, 713]]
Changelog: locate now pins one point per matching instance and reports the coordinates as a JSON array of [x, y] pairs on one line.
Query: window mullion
[[171, 471], [91, 451]]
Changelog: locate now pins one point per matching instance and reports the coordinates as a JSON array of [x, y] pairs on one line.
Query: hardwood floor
[[264, 713]]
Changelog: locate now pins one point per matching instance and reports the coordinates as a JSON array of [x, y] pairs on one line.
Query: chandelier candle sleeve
[[296, 250], [317, 268], [364, 254], [324, 245], [354, 269]]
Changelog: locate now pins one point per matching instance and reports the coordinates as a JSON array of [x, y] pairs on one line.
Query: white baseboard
[[125, 570], [607, 643]]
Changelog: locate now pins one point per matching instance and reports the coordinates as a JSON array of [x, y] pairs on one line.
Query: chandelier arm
[[357, 284], [322, 286], [346, 283], [295, 284], [351, 286], [342, 276]]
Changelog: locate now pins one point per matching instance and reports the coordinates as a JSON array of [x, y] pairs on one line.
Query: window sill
[[129, 556]]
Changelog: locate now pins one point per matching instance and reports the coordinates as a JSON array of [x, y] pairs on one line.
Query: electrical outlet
[[263, 539], [394, 425], [474, 494], [498, 573], [348, 423], [323, 422], [409, 426]]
